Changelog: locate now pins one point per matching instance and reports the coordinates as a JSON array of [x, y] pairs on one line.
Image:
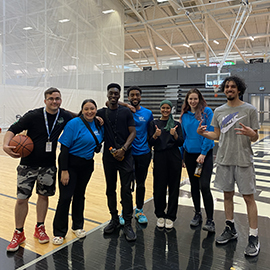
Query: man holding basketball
[[43, 126]]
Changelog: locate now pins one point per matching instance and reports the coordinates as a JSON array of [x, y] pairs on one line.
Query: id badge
[[48, 146]]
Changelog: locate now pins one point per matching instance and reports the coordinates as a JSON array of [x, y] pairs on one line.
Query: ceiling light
[[108, 11], [175, 58], [75, 57], [15, 64], [160, 1], [69, 67], [42, 69], [112, 53], [186, 45], [158, 48], [135, 51], [252, 38], [27, 28], [216, 42], [64, 20], [18, 71]]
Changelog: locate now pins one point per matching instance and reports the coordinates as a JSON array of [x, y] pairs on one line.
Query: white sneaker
[[58, 240], [161, 222], [80, 233], [168, 224]]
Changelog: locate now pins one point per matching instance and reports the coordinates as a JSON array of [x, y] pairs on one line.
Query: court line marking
[[66, 244], [49, 208]]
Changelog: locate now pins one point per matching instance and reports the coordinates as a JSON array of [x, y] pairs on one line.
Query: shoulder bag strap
[[89, 128]]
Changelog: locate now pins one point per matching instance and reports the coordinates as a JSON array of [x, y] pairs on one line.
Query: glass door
[[262, 103]]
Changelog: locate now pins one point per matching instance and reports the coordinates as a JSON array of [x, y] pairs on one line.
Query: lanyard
[[46, 122]]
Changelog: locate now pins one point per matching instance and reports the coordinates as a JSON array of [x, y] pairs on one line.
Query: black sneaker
[[113, 225], [253, 246], [227, 235], [209, 226], [197, 219], [129, 233]]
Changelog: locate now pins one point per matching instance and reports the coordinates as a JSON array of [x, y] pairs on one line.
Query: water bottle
[[112, 151], [198, 170]]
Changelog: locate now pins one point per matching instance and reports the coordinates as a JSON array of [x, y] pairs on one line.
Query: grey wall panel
[[255, 75], [164, 77], [194, 75]]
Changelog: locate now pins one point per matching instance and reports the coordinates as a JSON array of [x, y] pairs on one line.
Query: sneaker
[[209, 226], [58, 240], [121, 219], [253, 246], [227, 235], [18, 238], [168, 224], [41, 235], [161, 222], [113, 225], [129, 233], [140, 216], [80, 233], [197, 219]]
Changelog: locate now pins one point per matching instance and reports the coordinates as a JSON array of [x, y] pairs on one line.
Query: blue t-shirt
[[195, 143], [142, 119], [78, 138]]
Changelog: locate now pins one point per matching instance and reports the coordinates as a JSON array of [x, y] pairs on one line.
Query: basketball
[[216, 95], [24, 145]]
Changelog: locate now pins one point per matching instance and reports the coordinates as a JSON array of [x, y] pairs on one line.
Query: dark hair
[[134, 87], [114, 85], [50, 91], [94, 103], [201, 105], [241, 86]]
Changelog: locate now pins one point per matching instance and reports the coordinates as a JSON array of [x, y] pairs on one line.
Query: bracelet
[[124, 148]]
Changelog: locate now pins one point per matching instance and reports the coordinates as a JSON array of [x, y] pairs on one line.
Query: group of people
[[129, 132]]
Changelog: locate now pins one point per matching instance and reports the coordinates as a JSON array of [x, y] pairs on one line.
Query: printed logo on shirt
[[60, 121], [96, 132], [142, 119], [229, 120]]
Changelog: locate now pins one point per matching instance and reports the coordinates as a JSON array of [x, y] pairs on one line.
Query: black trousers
[[125, 168], [201, 184], [141, 163], [167, 173], [80, 171]]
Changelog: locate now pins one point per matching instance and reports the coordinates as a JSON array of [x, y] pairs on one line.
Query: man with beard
[[236, 126], [119, 132], [140, 150]]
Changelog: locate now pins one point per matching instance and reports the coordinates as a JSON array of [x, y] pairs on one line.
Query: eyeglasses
[[51, 99]]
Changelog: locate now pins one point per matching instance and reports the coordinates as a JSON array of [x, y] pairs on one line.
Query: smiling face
[[231, 90], [193, 101], [134, 98], [113, 95], [165, 110], [89, 111], [53, 102]]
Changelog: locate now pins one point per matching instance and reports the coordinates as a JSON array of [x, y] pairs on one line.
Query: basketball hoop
[[216, 87]]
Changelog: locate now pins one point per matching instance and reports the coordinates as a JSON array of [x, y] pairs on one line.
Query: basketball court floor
[[179, 248]]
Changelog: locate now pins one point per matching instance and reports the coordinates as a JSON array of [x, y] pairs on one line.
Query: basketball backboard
[[213, 79]]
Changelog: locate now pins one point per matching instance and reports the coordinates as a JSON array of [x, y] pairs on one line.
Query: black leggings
[[201, 183]]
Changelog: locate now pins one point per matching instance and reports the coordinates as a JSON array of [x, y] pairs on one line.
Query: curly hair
[[200, 107], [241, 86]]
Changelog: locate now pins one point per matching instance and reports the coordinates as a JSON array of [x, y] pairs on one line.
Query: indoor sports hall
[[166, 47]]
